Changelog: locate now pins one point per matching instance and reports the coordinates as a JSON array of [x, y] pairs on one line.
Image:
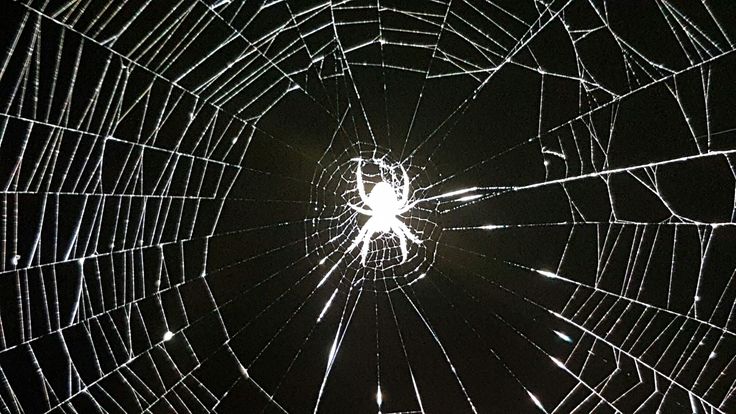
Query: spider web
[[175, 220], [335, 225]]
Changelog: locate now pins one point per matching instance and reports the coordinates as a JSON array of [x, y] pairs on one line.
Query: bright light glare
[[535, 400], [564, 336], [384, 206], [470, 197], [558, 362], [547, 273]]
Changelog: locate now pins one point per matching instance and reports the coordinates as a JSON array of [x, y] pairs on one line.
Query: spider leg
[[366, 245], [405, 189], [360, 209], [407, 207], [361, 234], [361, 186], [405, 230], [364, 236], [402, 239]]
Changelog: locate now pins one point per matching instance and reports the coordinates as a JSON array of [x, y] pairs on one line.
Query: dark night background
[[177, 166]]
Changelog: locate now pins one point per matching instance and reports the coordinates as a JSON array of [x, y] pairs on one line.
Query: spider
[[383, 209]]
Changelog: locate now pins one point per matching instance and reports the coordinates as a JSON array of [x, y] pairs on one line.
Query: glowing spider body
[[384, 207]]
